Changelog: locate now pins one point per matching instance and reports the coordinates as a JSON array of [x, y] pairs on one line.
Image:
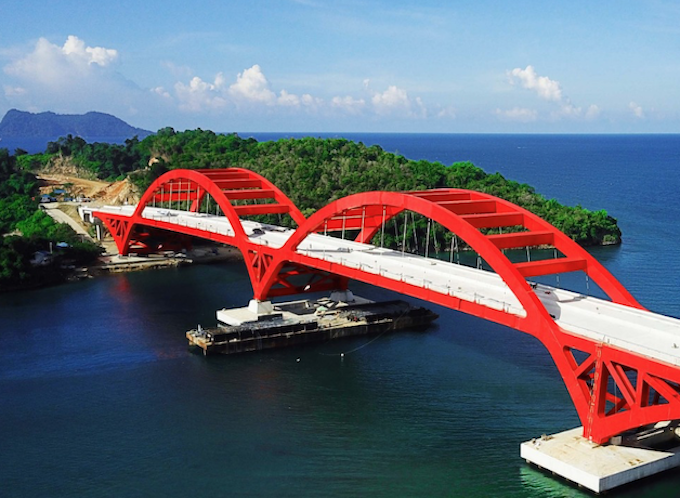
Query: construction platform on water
[[264, 325]]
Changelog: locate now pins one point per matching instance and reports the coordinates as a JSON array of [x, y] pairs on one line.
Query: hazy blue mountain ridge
[[21, 124]]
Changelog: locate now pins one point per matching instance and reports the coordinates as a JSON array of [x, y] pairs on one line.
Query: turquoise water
[[99, 395]]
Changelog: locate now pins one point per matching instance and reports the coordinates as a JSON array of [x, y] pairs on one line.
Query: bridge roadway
[[638, 331]]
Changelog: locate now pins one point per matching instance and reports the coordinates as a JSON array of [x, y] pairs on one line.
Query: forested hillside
[[25, 230], [313, 172]]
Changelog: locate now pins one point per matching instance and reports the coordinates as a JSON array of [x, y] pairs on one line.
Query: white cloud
[[75, 47], [520, 114], [637, 110], [288, 99], [73, 77], [198, 95], [252, 89], [53, 65], [569, 110], [46, 64], [312, 103], [547, 89], [159, 90], [542, 85], [252, 86], [349, 104], [390, 99], [592, 112], [395, 101]]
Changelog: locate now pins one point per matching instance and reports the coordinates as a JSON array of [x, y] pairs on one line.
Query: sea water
[[99, 395]]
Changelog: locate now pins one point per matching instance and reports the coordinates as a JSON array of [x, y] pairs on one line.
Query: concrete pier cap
[[258, 307], [345, 296]]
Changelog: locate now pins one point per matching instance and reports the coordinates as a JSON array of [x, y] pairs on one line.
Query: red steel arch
[[644, 390], [588, 368], [459, 211], [227, 187]]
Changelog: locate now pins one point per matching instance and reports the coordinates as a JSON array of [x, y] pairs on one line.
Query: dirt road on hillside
[[97, 191]]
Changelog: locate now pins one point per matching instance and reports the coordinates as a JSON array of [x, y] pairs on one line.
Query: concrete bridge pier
[[258, 307], [601, 468]]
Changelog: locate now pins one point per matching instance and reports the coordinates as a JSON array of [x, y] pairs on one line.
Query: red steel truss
[[613, 390]]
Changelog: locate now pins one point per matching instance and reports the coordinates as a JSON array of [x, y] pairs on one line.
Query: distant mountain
[[50, 126]]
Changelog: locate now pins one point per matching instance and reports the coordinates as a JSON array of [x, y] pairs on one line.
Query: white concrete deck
[[643, 332]]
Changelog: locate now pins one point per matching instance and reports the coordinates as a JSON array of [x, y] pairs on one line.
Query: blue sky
[[349, 65]]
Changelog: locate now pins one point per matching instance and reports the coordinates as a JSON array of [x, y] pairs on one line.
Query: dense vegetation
[[97, 160], [27, 230], [311, 171]]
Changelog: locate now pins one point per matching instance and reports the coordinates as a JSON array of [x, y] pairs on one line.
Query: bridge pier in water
[[601, 468], [620, 362]]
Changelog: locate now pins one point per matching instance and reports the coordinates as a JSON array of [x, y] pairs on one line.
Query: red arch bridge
[[620, 362]]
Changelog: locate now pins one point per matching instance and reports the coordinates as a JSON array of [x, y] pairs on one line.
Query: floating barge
[[268, 326]]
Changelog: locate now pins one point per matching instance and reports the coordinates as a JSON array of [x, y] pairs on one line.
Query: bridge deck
[[639, 331]]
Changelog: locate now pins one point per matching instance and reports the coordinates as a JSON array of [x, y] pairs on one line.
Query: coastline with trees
[[311, 171]]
